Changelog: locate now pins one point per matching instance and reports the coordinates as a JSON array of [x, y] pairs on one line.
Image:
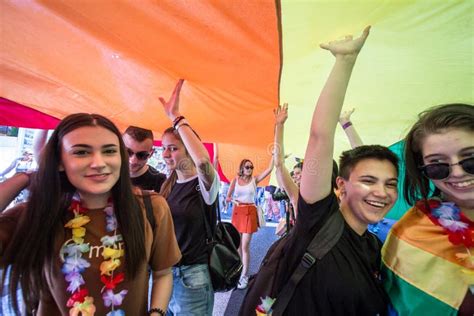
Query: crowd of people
[[84, 242]]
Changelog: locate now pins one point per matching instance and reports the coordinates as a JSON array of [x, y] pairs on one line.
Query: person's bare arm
[[11, 187], [349, 129], [265, 172], [317, 168], [231, 191], [161, 289], [193, 144], [283, 175]]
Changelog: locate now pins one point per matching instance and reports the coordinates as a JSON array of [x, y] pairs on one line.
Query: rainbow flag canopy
[[240, 59]]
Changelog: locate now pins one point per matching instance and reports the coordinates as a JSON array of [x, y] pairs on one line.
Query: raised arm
[[193, 145], [349, 129], [283, 175], [265, 172], [317, 169], [230, 192]]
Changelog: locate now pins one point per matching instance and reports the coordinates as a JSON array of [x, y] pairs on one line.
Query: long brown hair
[[42, 222]]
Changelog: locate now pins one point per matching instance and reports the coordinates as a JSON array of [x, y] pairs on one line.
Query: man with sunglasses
[[139, 143]]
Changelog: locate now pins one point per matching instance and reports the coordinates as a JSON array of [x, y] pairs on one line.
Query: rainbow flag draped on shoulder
[[425, 273]]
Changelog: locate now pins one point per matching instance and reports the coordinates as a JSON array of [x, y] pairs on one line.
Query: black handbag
[[225, 265]]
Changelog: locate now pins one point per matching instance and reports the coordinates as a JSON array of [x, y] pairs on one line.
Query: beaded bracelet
[[346, 125], [157, 310]]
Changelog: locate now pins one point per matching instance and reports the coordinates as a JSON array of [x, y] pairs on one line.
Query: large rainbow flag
[[240, 58]]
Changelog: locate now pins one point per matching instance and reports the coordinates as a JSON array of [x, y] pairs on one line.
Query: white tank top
[[245, 193]]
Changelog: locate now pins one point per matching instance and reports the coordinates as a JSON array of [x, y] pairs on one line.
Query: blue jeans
[[192, 291]]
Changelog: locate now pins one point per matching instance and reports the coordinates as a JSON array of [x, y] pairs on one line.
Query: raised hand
[[348, 46], [171, 106], [281, 114], [346, 116]]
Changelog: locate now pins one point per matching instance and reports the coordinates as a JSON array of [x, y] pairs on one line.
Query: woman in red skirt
[[244, 217]]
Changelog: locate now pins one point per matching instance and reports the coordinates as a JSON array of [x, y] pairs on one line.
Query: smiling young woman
[[81, 244], [428, 255], [242, 191]]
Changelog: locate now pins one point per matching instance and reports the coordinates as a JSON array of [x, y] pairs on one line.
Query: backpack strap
[[149, 210], [322, 242], [215, 218]]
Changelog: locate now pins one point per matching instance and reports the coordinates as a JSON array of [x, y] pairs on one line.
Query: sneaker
[[243, 282]]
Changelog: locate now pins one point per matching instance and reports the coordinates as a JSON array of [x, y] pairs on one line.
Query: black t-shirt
[[152, 179], [186, 203], [347, 280]]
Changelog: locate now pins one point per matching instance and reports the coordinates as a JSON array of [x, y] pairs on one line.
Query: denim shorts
[[192, 291]]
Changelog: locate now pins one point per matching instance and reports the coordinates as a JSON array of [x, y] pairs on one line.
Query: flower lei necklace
[[73, 264], [459, 228]]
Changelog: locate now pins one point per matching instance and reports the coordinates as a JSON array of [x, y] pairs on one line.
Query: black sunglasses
[[441, 170], [248, 167], [141, 155]]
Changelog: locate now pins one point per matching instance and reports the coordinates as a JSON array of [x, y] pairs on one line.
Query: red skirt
[[244, 218]]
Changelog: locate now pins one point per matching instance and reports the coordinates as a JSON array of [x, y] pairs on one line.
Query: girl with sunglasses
[[191, 191], [82, 244], [429, 254], [242, 191]]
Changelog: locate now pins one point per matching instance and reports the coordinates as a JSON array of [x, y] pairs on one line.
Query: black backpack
[[223, 240], [274, 281]]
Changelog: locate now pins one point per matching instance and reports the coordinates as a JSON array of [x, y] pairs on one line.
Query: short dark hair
[[350, 158], [139, 134], [434, 120]]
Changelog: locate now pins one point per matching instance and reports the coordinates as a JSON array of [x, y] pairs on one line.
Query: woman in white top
[[244, 217]]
